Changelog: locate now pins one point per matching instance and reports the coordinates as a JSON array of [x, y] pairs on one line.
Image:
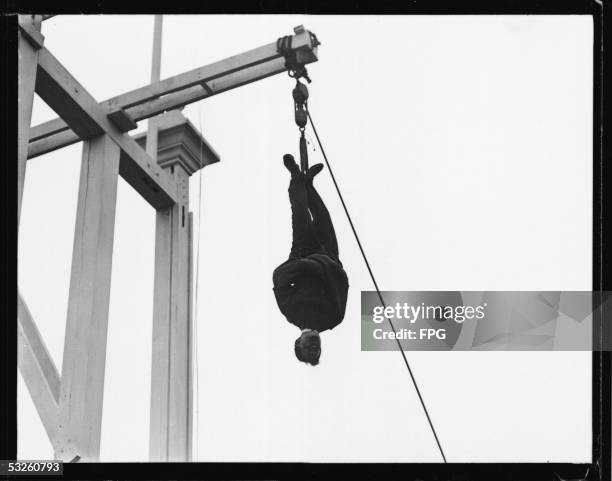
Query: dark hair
[[305, 355]]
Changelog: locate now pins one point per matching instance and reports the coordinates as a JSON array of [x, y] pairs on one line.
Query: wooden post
[[192, 341], [26, 79], [181, 152], [151, 146], [82, 383], [170, 381], [171, 361]]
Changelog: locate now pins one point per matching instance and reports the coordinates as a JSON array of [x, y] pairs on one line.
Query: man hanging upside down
[[311, 286]]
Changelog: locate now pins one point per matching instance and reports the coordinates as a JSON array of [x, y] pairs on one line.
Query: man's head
[[308, 347]]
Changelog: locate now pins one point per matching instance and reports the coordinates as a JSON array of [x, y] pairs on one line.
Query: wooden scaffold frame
[[70, 404]]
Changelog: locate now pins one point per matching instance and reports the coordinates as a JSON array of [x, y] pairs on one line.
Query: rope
[[196, 420], [416, 387]]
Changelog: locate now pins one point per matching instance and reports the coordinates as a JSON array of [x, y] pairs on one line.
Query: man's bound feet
[[292, 167], [312, 171]]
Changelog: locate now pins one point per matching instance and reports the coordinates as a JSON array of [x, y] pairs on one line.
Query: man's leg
[[323, 226], [304, 238]]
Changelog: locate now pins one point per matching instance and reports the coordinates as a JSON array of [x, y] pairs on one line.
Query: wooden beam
[[188, 87], [75, 105], [26, 78], [38, 371], [83, 365], [208, 72], [67, 97], [122, 120], [53, 135]]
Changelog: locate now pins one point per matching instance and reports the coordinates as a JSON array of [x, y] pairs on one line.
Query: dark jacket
[[311, 291]]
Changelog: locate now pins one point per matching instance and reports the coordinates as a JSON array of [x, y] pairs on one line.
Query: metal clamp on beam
[[298, 50]]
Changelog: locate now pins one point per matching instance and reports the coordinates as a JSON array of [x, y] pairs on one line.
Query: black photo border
[[599, 469]]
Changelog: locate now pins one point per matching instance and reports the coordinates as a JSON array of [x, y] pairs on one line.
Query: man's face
[[311, 342]]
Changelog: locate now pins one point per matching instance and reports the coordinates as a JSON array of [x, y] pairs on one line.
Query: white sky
[[463, 145]]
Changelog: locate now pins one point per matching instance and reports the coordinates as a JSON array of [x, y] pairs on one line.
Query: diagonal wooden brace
[[38, 371]]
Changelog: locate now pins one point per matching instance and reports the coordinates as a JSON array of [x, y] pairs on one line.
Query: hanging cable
[[197, 278], [416, 386]]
